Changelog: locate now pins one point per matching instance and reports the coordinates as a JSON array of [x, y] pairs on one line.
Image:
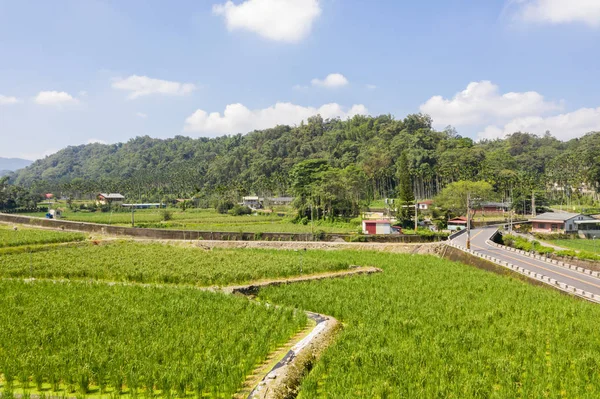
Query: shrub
[[224, 206], [239, 210], [166, 215]]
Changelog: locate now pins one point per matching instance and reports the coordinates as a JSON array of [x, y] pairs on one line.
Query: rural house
[[109, 199], [253, 202], [494, 208], [459, 223], [557, 222], [379, 227]]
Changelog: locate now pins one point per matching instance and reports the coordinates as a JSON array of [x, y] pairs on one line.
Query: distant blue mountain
[[13, 164]]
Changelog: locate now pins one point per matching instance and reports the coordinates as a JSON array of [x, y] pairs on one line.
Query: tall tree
[[454, 196], [406, 196]]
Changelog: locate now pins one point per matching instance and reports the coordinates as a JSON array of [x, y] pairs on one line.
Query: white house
[[253, 201], [112, 198]]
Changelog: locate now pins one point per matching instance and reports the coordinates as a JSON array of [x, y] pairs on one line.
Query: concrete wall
[[164, 234]]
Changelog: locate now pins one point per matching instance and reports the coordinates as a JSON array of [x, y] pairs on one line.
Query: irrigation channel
[[269, 382]]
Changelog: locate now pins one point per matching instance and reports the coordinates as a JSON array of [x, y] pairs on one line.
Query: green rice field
[[24, 236], [207, 220], [127, 261], [429, 328], [73, 340]]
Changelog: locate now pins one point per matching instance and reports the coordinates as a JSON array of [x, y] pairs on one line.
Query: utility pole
[[416, 217], [312, 225], [533, 203], [132, 217], [468, 220]]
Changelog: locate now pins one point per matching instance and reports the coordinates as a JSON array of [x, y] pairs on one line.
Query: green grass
[[579, 244], [158, 263], [206, 220], [23, 236], [70, 340], [430, 328]]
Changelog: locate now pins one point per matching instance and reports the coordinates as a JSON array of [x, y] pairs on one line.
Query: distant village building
[[256, 202], [281, 200], [377, 227], [459, 223], [109, 199], [425, 205], [494, 208], [253, 202], [557, 222]]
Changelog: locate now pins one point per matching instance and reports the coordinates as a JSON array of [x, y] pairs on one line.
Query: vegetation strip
[[536, 276]]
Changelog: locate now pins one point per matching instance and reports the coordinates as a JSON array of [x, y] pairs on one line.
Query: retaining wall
[[163, 234]]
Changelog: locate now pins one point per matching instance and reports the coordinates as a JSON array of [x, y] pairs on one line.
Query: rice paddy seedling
[[427, 327], [10, 237], [94, 339], [165, 264]]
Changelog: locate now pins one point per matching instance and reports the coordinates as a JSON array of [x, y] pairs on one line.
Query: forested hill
[[261, 161]]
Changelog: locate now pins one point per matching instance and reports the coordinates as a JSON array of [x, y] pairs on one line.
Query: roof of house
[[112, 196], [460, 219], [556, 216], [378, 221], [426, 202], [251, 198]]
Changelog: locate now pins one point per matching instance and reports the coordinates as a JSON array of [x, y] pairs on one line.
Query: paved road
[[562, 274]]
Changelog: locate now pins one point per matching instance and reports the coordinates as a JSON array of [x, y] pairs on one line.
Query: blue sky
[[72, 72]]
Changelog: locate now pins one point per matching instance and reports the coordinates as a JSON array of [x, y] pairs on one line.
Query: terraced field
[[425, 327]]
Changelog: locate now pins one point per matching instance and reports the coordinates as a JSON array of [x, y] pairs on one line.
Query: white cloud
[[96, 141], [279, 20], [559, 11], [7, 100], [54, 98], [371, 87], [83, 93], [300, 87], [141, 115], [143, 86], [332, 81], [564, 126], [482, 103], [239, 119]]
